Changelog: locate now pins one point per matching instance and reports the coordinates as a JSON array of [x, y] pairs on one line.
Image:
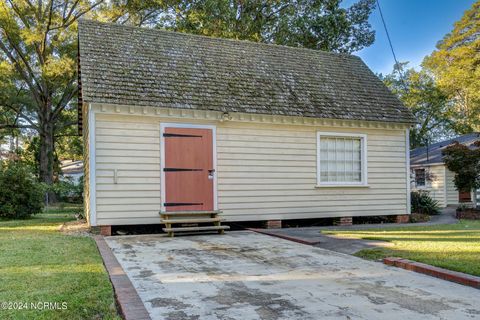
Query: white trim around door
[[162, 157]]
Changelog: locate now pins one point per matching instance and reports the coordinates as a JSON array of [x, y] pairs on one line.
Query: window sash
[[341, 159], [420, 177]]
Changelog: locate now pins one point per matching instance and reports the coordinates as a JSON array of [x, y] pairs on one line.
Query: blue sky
[[415, 26]]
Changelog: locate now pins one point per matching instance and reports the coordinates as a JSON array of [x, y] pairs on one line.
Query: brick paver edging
[[454, 276], [294, 239], [130, 305]]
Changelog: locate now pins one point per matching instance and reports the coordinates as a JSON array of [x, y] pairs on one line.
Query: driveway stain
[[379, 294], [267, 305]]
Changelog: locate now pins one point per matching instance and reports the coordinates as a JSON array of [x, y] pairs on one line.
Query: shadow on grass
[[36, 223]]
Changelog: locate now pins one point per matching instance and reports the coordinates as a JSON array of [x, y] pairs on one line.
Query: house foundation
[[106, 230], [402, 218], [273, 224], [344, 221]]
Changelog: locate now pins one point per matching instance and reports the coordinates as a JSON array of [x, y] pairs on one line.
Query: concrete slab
[[246, 275]]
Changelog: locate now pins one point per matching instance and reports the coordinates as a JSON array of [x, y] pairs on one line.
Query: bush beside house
[[423, 203], [20, 193]]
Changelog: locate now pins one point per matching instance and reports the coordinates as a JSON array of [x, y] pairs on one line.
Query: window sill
[[342, 186]]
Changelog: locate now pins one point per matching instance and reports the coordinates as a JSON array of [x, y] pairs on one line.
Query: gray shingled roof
[[148, 67], [433, 154]]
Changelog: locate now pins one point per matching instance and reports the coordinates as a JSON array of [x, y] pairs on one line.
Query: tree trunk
[[46, 153]]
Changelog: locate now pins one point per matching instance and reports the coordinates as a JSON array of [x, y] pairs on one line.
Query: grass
[[455, 247], [64, 208], [40, 264]]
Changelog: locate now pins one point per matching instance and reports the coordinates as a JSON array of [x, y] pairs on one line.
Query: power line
[[391, 46]]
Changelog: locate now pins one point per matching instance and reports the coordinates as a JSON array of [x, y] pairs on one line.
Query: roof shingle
[[433, 153], [149, 67]]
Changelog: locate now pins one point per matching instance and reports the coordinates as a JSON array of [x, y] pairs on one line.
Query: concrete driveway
[[245, 275]]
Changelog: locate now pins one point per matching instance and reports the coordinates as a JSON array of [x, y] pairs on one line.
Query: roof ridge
[[187, 34]]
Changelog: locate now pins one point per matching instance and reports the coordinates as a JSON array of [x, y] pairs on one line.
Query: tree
[[419, 93], [456, 67], [38, 60], [315, 24], [465, 163]]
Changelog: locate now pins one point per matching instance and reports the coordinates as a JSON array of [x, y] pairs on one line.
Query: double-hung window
[[341, 159], [420, 178]]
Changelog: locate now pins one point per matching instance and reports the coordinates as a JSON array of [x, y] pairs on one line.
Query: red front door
[[464, 196], [189, 171]]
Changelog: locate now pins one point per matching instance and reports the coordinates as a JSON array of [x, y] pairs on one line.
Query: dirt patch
[[78, 228], [419, 217]]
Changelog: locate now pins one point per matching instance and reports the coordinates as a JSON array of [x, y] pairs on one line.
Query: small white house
[[428, 172], [72, 170], [179, 122]]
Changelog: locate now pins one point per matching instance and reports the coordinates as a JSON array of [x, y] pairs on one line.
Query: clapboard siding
[[452, 192], [133, 149], [264, 171], [436, 186]]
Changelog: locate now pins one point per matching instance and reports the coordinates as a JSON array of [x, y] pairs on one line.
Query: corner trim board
[[407, 168], [445, 186], [92, 170]]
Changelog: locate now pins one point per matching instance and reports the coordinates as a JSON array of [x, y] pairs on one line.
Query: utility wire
[[398, 67]]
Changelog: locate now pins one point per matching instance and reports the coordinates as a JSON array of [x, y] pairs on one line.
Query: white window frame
[[363, 156], [425, 171]]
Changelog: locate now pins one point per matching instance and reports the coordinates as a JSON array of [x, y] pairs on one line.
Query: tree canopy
[[38, 45], [456, 67], [315, 24], [420, 94]]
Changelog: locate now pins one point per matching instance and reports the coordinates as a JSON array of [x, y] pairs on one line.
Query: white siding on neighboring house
[[452, 192], [265, 171], [435, 186]]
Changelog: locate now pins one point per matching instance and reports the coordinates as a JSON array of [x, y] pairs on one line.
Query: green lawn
[[455, 247], [40, 264]]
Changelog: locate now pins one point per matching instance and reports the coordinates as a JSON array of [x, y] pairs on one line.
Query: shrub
[[423, 203], [20, 194], [66, 190]]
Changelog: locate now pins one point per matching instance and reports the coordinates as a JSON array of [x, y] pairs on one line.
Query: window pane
[[357, 176], [331, 149], [340, 159], [420, 177], [323, 149]]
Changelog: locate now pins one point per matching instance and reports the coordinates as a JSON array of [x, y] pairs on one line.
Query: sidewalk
[[313, 235]]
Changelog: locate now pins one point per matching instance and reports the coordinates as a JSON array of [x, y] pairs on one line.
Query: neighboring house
[[428, 171], [180, 122], [71, 170]]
